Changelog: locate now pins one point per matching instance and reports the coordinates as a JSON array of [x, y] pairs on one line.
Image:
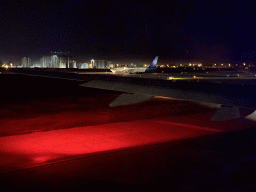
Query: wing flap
[[252, 116], [129, 99], [226, 113]]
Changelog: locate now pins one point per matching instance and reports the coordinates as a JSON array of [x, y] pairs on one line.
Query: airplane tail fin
[[152, 66]]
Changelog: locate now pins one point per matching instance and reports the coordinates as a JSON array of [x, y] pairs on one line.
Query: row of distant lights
[[145, 65], [198, 65], [244, 64], [181, 65], [174, 66]]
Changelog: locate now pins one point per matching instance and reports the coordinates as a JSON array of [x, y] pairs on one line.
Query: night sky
[[130, 31]]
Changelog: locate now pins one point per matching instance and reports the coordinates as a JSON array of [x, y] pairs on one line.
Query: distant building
[[72, 64], [57, 60], [26, 62], [82, 66], [110, 64], [102, 64], [45, 61]]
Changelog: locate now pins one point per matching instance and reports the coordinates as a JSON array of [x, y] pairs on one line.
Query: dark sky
[[134, 30]]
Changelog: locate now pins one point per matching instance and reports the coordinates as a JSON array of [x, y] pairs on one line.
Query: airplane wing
[[231, 97], [200, 92]]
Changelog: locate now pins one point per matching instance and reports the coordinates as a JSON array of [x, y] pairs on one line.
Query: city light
[[5, 66], [54, 61]]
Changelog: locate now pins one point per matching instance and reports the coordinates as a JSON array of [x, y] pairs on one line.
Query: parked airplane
[[150, 68]]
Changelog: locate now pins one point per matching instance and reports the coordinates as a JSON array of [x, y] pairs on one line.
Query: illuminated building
[[26, 62], [57, 60], [83, 66], [102, 64]]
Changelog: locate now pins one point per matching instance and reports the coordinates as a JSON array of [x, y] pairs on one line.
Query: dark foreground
[[59, 136]]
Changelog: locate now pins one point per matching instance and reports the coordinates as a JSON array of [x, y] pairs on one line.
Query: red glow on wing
[[43, 147], [41, 159], [38, 148]]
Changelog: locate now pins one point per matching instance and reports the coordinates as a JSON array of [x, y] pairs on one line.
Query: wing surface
[[154, 90]]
